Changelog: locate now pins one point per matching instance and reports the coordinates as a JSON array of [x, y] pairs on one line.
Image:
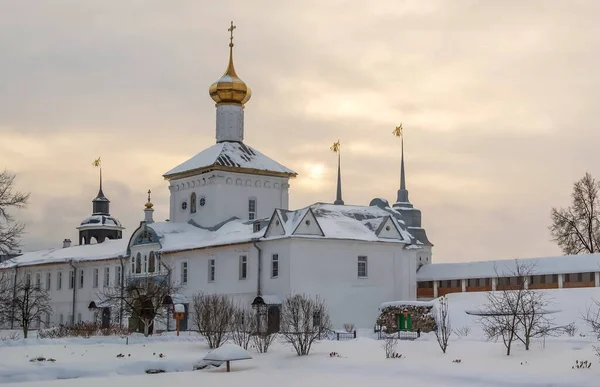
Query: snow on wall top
[[406, 303], [230, 154], [487, 269], [343, 222], [105, 250]]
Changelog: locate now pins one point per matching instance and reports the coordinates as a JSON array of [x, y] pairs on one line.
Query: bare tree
[[142, 299], [500, 317], [10, 230], [212, 316], [533, 318], [576, 229], [243, 326], [30, 303], [443, 327], [6, 296], [592, 318], [303, 321]]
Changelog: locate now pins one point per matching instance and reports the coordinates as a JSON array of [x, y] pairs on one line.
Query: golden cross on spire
[[398, 131], [230, 29], [149, 192]]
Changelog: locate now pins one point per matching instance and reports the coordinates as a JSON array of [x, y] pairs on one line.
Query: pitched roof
[[343, 222], [230, 155]]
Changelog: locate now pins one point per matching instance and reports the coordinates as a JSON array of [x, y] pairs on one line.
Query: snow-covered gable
[[585, 263], [388, 229], [109, 249], [308, 225], [275, 227], [228, 155]]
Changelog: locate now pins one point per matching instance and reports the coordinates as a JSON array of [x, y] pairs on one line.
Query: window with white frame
[[243, 267], [48, 280], [95, 278], [211, 270], [118, 275], [61, 319], [151, 262], [251, 209], [145, 263], [27, 279], [59, 280], [80, 278], [38, 280], [71, 278], [138, 263], [132, 265], [184, 272], [362, 267], [275, 266], [106, 277]]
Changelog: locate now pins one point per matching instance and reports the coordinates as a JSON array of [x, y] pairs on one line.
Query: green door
[[404, 322]]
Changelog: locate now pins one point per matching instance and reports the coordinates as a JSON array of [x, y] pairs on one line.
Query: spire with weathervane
[[230, 94], [336, 148], [100, 203], [402, 197]]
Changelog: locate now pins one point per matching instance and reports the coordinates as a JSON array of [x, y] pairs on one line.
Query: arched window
[[138, 263], [193, 203], [151, 263], [251, 209]]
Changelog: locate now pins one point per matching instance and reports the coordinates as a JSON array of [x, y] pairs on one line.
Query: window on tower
[[138, 263], [251, 209], [202, 201], [193, 203], [184, 205]]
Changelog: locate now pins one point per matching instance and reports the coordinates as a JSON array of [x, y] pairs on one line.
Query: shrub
[[389, 345], [349, 328], [463, 331], [82, 329]]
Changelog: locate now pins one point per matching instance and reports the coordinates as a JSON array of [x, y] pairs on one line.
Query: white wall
[[329, 268], [226, 196]]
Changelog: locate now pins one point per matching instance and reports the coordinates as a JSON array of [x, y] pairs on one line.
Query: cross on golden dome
[[230, 89]]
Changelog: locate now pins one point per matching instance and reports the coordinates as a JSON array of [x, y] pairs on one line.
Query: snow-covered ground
[[94, 361]]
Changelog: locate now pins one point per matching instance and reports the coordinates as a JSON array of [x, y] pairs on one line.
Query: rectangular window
[[71, 279], [211, 270], [47, 320], [61, 319], [106, 277], [251, 209], [362, 267], [38, 280], [317, 319], [145, 263], [78, 317], [48, 280], [132, 265], [95, 278], [118, 275], [184, 272], [81, 279], [27, 279], [243, 267], [59, 281], [275, 266], [70, 320]]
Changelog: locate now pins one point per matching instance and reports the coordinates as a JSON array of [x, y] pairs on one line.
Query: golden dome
[[149, 204], [230, 89]]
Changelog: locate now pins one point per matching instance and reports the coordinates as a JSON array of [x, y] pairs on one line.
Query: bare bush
[[262, 341], [570, 329], [212, 316], [243, 326], [389, 345], [304, 321], [463, 331], [13, 336], [444, 328], [349, 328]]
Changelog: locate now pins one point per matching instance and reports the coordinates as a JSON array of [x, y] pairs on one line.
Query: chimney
[[66, 243]]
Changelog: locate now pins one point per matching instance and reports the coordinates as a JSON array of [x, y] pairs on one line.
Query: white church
[[231, 231]]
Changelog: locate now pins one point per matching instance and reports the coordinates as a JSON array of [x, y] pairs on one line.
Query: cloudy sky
[[498, 100]]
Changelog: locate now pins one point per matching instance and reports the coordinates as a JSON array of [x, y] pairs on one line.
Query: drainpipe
[[74, 288], [12, 309], [259, 281]]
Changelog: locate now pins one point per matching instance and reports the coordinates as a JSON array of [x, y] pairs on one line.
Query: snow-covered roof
[[230, 155], [228, 352], [406, 303], [105, 250], [343, 222], [95, 221], [184, 236], [585, 263]]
